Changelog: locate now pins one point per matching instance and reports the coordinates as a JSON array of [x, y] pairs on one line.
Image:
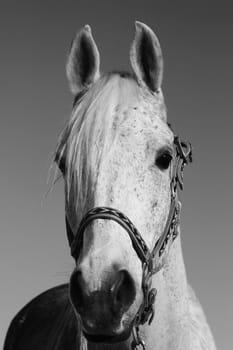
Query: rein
[[152, 261]]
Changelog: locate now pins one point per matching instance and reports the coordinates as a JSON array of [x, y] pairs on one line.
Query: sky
[[35, 103]]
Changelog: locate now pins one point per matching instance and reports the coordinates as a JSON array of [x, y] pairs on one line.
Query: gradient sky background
[[197, 42]]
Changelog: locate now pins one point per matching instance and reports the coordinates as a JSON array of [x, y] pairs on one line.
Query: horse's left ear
[[146, 57], [83, 62]]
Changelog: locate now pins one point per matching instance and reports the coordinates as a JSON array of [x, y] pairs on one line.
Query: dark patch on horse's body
[[45, 323]]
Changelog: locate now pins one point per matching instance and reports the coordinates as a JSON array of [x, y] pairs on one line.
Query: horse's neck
[[168, 329]]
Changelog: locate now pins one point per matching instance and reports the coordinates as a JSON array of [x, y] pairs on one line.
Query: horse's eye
[[163, 160]]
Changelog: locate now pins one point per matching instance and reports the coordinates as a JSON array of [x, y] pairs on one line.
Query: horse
[[123, 167]]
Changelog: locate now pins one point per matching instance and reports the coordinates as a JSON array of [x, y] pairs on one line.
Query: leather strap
[[115, 215]]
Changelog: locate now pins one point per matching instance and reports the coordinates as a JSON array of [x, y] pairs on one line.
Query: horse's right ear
[[83, 62]]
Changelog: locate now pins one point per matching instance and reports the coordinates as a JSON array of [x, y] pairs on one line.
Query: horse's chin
[[108, 333], [108, 338]]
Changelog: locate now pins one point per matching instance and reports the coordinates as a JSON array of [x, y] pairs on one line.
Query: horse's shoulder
[[47, 322], [199, 327]]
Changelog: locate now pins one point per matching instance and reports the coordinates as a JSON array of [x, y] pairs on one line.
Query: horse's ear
[[83, 62], [146, 57]]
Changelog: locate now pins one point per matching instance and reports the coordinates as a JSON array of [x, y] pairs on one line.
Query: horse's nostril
[[123, 290], [77, 290]]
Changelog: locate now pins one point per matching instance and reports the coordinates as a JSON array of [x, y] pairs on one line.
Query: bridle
[[152, 261]]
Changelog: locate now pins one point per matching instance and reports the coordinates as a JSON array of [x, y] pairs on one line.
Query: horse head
[[117, 151]]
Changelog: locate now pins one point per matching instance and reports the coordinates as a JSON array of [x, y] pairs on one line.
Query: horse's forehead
[[146, 119]]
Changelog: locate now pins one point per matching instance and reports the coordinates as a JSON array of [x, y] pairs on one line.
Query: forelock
[[90, 132]]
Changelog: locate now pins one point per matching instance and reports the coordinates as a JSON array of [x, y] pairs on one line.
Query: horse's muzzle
[[102, 311]]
